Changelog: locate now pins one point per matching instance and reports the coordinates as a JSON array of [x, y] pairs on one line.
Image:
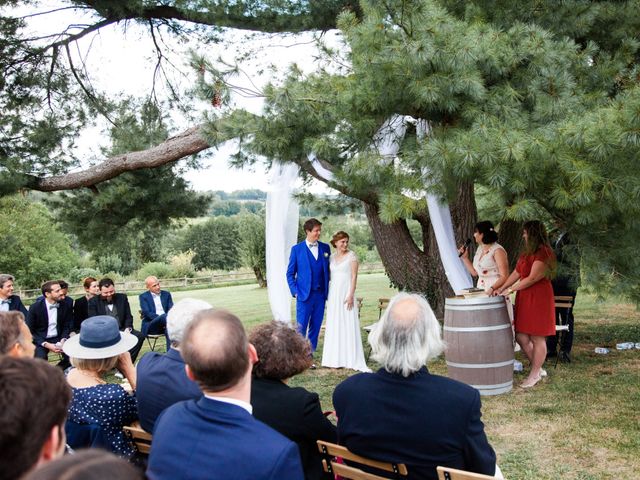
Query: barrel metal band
[[493, 306], [492, 387], [480, 365], [494, 391], [476, 329]]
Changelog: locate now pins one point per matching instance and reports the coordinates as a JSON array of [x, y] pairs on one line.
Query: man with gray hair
[[404, 414], [15, 337], [162, 380]]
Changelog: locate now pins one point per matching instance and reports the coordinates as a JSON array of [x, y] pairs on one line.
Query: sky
[[122, 61]]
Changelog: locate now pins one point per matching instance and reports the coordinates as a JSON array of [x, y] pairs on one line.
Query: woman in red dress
[[535, 306]]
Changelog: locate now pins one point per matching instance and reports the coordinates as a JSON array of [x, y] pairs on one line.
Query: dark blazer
[[15, 304], [162, 382], [299, 270], [204, 439], [423, 420], [98, 306], [80, 312], [39, 320], [295, 413], [148, 307]]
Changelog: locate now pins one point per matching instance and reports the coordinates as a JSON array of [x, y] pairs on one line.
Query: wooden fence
[[218, 279]]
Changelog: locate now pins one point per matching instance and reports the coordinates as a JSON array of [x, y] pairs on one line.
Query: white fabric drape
[[440, 216], [281, 234]]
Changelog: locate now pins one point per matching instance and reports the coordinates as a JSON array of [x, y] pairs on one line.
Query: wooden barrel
[[479, 341]]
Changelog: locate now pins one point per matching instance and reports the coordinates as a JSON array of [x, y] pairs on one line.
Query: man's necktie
[[55, 305]]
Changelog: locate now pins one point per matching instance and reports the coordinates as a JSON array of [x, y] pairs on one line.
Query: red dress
[[535, 307]]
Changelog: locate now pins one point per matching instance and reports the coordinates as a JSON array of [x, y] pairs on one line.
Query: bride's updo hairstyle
[[489, 234], [339, 235]]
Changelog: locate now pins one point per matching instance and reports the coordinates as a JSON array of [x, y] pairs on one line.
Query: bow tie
[[314, 244], [55, 305], [2, 302]]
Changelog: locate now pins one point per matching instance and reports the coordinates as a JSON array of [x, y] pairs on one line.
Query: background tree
[[214, 243], [537, 103], [252, 247], [127, 218], [34, 249]]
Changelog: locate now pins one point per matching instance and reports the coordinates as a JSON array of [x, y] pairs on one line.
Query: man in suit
[[115, 305], [162, 380], [64, 290], [34, 400], [8, 301], [308, 279], [404, 414], [50, 321], [216, 436], [155, 304], [15, 337]]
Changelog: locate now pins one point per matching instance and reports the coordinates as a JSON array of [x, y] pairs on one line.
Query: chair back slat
[[446, 473], [140, 438], [332, 450]]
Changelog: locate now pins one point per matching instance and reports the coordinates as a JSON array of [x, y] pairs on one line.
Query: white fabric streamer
[[281, 234], [440, 216]]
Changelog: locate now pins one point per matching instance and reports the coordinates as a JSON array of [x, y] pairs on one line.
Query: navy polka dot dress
[[109, 406]]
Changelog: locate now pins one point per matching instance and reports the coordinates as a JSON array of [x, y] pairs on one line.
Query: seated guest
[[216, 436], [155, 304], [162, 380], [50, 320], [294, 412], [33, 407], [115, 305], [8, 301], [64, 292], [404, 414], [92, 464], [81, 305], [15, 337], [99, 348]]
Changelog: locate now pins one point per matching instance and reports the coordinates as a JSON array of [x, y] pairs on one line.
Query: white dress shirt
[[234, 401], [314, 249], [158, 304], [52, 329]]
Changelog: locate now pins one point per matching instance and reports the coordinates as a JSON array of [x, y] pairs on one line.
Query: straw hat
[[99, 338]]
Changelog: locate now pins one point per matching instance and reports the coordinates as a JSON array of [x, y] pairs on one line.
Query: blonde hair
[[99, 365]]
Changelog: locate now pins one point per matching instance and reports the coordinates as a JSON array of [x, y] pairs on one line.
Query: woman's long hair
[[536, 238]]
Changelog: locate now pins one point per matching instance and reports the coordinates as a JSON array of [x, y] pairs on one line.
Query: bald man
[[15, 337], [204, 438], [155, 304]]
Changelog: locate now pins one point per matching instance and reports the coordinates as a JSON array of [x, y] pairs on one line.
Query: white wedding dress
[[342, 341]]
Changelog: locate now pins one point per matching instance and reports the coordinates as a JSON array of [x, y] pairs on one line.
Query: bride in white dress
[[342, 341]]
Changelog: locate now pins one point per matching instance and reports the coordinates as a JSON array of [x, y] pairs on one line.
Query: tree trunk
[[262, 281]]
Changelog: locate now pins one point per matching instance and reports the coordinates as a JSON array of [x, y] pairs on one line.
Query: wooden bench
[[139, 437], [446, 473]]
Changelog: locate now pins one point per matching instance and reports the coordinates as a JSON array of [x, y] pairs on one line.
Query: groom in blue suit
[[308, 279]]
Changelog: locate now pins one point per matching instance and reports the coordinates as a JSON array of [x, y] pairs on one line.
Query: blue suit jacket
[[423, 420], [39, 320], [148, 307], [162, 382], [299, 270], [15, 304], [205, 439]]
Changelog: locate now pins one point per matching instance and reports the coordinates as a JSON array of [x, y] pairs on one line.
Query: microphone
[[465, 246]]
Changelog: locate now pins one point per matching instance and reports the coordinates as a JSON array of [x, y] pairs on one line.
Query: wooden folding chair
[[561, 301], [446, 473], [383, 303], [140, 438], [332, 452]]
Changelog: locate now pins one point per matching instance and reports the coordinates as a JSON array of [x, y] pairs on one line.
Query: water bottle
[[602, 350]]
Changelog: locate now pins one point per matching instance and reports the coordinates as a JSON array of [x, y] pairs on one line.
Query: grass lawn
[[582, 422]]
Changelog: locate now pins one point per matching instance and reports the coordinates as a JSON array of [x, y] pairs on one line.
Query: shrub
[[155, 269], [181, 264]]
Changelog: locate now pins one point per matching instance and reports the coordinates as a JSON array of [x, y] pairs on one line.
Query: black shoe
[[313, 366], [565, 357]]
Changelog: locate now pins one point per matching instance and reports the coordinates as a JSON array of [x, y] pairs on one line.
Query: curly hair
[[282, 352]]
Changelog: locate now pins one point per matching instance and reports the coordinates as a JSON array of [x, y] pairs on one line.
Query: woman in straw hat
[[99, 348]]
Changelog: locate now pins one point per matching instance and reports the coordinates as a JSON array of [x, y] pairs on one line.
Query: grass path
[[580, 423]]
